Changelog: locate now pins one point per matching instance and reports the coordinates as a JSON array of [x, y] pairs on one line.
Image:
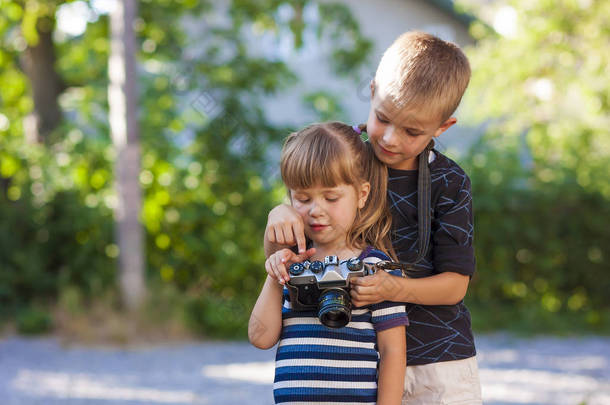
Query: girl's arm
[[446, 288], [266, 319], [392, 365]]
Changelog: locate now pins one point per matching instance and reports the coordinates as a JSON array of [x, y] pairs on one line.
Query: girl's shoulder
[[371, 252]]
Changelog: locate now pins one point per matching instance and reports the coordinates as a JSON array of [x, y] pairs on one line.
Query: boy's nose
[[389, 135]]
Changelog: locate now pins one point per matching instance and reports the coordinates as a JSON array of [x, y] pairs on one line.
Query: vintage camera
[[324, 286]]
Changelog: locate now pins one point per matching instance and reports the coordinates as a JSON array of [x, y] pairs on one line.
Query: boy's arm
[[392, 365], [265, 323], [453, 256], [446, 288], [284, 229]]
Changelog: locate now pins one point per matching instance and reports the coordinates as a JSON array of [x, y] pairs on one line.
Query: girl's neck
[[342, 252]]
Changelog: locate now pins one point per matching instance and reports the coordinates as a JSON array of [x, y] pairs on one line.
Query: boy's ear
[[445, 126], [363, 194]]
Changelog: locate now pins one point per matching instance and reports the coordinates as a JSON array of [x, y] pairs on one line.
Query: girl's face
[[329, 212]]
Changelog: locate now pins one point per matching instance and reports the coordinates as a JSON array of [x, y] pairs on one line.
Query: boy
[[417, 87]]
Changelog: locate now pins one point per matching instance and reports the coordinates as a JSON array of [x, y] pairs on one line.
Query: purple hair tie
[[357, 129]]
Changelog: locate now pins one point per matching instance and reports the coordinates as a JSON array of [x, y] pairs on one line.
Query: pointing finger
[[300, 236]]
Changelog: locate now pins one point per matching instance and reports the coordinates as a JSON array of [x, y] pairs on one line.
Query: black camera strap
[[424, 217]]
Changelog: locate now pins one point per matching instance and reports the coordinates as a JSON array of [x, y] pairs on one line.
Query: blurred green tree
[[541, 172], [546, 78], [206, 177]]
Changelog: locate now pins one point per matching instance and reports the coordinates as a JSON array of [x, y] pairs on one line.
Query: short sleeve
[[453, 226], [388, 314]]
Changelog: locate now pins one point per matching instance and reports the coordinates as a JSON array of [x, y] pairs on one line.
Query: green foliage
[[206, 177], [32, 321], [549, 81], [53, 232], [541, 174], [541, 248], [325, 105]]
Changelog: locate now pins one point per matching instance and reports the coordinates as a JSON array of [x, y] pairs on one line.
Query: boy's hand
[[276, 263], [379, 287], [285, 227]]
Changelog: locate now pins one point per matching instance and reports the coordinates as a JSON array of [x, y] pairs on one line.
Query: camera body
[[324, 286]]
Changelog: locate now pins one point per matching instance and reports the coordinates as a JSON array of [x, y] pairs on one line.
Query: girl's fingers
[[305, 255], [276, 264], [285, 259], [279, 268], [270, 270]]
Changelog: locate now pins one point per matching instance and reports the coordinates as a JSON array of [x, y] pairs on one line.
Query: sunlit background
[[218, 85]]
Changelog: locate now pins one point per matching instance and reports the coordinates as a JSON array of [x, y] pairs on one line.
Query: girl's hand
[[285, 227], [277, 263], [379, 287]]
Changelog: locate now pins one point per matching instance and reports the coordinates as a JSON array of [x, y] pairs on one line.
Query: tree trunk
[[39, 65], [123, 124]]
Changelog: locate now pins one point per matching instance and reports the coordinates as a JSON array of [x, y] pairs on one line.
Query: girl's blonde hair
[[330, 154]]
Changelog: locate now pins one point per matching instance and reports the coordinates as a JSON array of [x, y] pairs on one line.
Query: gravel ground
[[550, 370]]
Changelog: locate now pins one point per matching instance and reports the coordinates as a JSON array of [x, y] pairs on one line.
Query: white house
[[381, 21]]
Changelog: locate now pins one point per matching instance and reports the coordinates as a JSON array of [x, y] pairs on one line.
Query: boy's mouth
[[386, 152]]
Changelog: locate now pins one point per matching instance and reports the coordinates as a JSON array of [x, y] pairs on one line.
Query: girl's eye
[[332, 199]]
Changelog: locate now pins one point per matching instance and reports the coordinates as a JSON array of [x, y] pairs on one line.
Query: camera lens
[[334, 308]]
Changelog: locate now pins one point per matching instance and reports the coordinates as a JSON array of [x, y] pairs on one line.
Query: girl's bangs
[[315, 162]]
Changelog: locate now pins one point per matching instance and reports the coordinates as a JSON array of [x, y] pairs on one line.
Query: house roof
[[448, 7]]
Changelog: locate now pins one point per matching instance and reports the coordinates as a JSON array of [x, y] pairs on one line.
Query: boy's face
[[398, 136]]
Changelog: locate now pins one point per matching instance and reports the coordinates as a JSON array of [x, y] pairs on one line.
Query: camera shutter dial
[[316, 266], [354, 265], [296, 269], [331, 261]]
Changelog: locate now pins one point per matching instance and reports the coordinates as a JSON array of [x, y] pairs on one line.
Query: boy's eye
[[334, 199], [382, 120], [411, 133]]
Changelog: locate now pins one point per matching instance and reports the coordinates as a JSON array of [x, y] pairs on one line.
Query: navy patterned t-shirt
[[440, 332]]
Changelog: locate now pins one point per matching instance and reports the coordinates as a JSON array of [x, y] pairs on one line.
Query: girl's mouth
[[317, 227]]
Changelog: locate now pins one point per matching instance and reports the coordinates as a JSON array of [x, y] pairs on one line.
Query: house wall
[[381, 21]]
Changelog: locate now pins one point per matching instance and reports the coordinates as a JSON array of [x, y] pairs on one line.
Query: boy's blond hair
[[421, 70]]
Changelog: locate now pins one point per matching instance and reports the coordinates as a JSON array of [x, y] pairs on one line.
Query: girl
[[330, 172]]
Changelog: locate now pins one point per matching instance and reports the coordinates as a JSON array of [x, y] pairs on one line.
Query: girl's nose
[[315, 210]]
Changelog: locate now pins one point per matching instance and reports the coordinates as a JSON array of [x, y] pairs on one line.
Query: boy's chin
[[391, 162]]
